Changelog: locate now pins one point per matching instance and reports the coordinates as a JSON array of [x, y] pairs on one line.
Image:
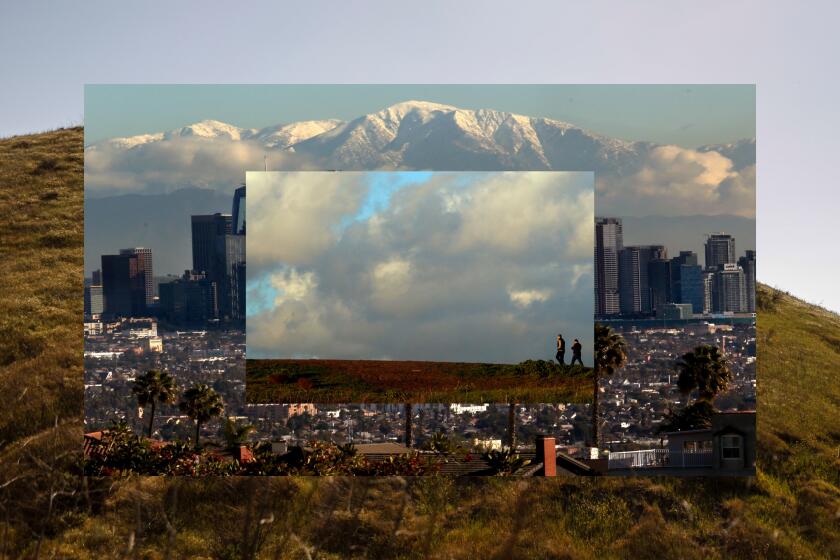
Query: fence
[[652, 458]]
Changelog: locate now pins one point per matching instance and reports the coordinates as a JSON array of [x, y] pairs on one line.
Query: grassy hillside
[[381, 381], [790, 510]]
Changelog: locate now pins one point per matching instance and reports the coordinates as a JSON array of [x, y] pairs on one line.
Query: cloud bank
[[484, 267]]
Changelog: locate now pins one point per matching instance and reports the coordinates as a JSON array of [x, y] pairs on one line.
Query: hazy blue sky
[[48, 50], [689, 116]]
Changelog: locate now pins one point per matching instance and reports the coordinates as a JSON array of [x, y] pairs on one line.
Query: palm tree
[[704, 369], [408, 418], [236, 434], [201, 403], [512, 425], [151, 388], [610, 356]]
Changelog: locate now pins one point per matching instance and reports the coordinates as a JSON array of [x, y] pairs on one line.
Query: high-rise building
[[123, 285], [94, 302], [609, 240], [684, 258], [205, 230], [634, 285], [189, 300], [96, 278], [693, 288], [720, 249], [659, 283], [708, 288], [144, 265], [231, 257], [729, 290], [747, 263], [238, 221]]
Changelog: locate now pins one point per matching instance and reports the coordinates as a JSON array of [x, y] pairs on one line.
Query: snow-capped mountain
[[425, 135]]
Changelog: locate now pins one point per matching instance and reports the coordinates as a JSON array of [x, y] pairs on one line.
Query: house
[[725, 448]]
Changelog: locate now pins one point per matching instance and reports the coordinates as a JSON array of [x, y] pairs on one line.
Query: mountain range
[[207, 160], [424, 135]]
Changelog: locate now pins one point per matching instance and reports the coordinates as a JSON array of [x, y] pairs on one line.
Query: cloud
[[675, 181], [181, 161], [294, 217], [421, 277]]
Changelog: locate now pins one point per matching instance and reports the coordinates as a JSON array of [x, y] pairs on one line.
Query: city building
[[238, 219], [675, 311], [124, 284], [659, 283], [634, 285], [720, 249], [747, 263], [190, 300], [144, 265], [693, 288], [205, 231], [609, 241], [94, 301], [729, 290], [231, 277], [687, 258]]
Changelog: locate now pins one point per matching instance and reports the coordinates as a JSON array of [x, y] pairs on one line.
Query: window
[[730, 447], [697, 445]]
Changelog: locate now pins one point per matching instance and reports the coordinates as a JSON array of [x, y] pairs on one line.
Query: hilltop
[[789, 510]]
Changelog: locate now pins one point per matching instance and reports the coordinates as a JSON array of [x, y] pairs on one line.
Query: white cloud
[[676, 181], [525, 298]]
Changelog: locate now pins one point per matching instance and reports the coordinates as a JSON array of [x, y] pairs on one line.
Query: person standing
[[561, 350], [576, 350]]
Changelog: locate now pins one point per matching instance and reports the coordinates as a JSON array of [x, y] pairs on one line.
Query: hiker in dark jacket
[[561, 350], [576, 349]]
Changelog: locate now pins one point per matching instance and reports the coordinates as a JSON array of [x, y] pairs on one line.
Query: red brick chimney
[[547, 455], [243, 454]]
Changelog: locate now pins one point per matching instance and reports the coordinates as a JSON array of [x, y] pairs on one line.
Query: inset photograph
[[419, 287]]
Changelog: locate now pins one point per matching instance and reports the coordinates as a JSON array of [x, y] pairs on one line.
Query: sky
[[472, 267], [686, 115], [49, 50]]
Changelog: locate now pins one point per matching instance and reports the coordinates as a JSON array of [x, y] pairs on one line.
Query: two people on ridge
[[561, 351]]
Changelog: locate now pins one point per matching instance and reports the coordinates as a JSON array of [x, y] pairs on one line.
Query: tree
[[151, 388], [703, 369], [201, 403], [610, 356], [511, 430], [236, 434], [409, 413]]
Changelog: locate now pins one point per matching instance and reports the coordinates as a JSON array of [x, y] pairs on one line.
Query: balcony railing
[[652, 458]]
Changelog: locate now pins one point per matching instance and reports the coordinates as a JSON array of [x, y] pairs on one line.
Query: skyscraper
[[94, 302], [747, 263], [123, 285], [189, 300], [230, 257], [693, 288], [205, 230], [609, 240], [659, 282], [238, 221], [684, 258], [728, 290], [634, 285], [144, 266], [720, 249]]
